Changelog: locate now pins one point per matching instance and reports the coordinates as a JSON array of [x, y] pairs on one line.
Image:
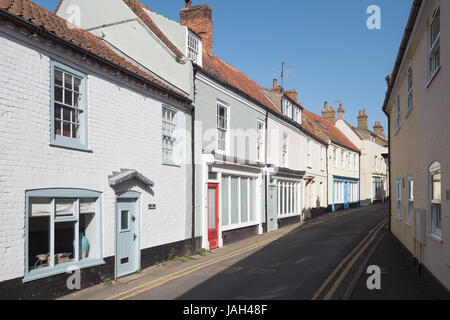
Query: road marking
[[352, 262], [176, 275], [336, 270]]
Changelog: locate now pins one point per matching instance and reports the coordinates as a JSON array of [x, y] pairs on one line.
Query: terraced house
[[374, 184], [417, 105], [84, 159], [125, 137]]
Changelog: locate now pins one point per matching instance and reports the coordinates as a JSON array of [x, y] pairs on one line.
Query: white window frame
[[434, 63], [297, 114], [435, 222], [410, 89], [285, 150], [398, 190], [289, 198], [287, 108], [342, 159], [308, 152], [194, 48], [322, 158], [261, 140], [398, 113], [335, 157], [172, 137], [226, 129], [410, 199]]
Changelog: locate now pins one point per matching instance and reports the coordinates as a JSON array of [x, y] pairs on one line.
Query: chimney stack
[[362, 121], [378, 129], [329, 114], [341, 112], [293, 95], [199, 19]]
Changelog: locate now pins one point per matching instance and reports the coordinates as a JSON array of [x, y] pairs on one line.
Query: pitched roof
[[235, 78], [335, 135], [78, 38], [139, 10]]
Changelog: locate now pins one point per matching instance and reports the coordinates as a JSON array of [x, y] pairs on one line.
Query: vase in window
[[84, 246]]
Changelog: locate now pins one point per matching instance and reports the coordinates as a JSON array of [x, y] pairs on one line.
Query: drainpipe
[[389, 175], [193, 161], [265, 173]]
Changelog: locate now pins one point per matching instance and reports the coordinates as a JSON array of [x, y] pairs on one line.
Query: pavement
[[322, 258]]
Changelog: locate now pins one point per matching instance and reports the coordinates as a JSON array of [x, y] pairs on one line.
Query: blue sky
[[330, 53]]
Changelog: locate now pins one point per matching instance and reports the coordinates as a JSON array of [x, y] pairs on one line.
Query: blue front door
[[346, 196], [127, 233]]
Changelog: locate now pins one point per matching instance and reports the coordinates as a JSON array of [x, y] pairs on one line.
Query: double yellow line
[[362, 246]]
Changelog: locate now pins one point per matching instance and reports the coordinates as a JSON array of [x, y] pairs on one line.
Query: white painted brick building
[[124, 130]]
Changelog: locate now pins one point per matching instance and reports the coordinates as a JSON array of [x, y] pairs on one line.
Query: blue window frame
[[69, 112], [62, 230]]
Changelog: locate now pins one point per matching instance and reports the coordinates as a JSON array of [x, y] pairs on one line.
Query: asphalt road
[[291, 268]]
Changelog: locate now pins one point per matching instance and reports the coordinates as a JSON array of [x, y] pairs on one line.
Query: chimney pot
[[275, 83]]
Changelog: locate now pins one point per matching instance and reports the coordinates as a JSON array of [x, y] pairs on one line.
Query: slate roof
[[81, 39], [335, 135]]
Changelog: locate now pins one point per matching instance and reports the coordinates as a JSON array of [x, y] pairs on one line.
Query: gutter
[[401, 53], [41, 31]]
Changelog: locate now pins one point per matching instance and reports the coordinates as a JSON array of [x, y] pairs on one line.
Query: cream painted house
[[374, 186], [417, 105]]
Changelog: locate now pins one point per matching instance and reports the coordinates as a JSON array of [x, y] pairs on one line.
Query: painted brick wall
[[124, 132]]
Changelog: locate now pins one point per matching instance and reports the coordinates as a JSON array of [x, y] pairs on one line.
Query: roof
[[127, 174], [367, 135], [334, 134], [139, 10], [402, 50], [235, 78], [77, 38]]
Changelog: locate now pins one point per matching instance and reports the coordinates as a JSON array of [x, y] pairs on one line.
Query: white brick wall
[[124, 132]]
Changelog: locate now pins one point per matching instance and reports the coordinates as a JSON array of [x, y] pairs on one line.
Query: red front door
[[213, 215]]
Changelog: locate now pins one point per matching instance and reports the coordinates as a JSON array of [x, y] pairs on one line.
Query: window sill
[[284, 216], [62, 268], [170, 164], [70, 146], [432, 77], [435, 238]]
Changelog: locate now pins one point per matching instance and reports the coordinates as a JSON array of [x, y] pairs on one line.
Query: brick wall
[[124, 130]]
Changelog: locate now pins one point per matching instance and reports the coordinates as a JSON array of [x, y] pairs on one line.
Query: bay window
[[288, 198], [238, 201], [63, 229]]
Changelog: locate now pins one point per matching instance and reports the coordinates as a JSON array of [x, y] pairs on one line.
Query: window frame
[[288, 107], [410, 89], [434, 230], [308, 153], [410, 194], [192, 38], [31, 275], [175, 158], [398, 113], [61, 141], [434, 46], [285, 150], [399, 204], [260, 140], [227, 129]]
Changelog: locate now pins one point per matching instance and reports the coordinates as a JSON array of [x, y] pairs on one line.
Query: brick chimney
[[341, 112], [199, 19], [329, 114], [293, 95], [362, 120], [378, 129]]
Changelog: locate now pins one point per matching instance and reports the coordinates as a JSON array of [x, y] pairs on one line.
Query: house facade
[[416, 104], [343, 159], [294, 146], [87, 172], [374, 184]]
